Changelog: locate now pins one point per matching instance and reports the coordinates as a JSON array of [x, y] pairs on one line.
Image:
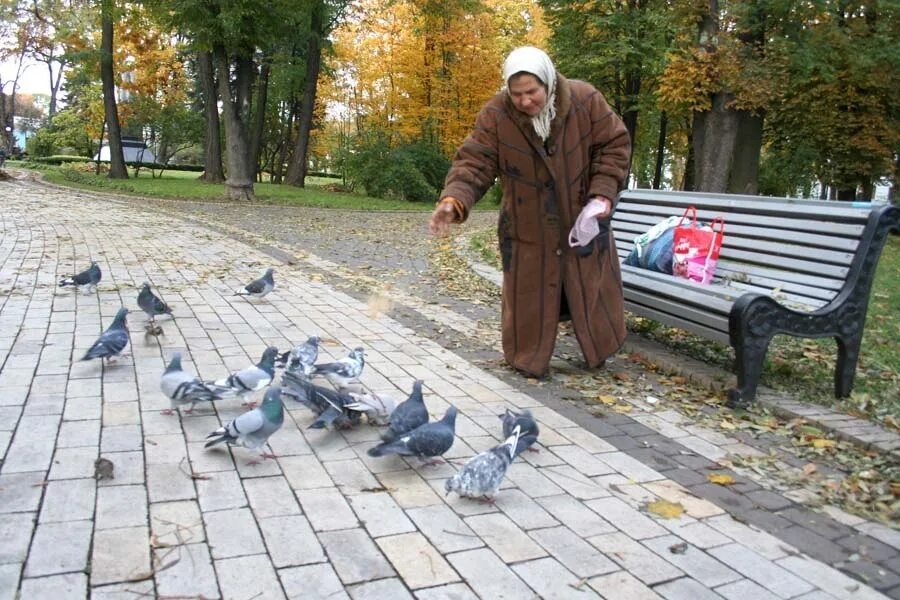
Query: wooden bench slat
[[785, 207], [716, 299], [671, 321], [784, 226], [831, 242], [673, 307]]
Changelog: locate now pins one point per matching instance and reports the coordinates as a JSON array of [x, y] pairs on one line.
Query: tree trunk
[[847, 194], [278, 171], [660, 150], [117, 169], [744, 176], [239, 183], [687, 181], [296, 173], [714, 137], [260, 117], [212, 141], [632, 91]]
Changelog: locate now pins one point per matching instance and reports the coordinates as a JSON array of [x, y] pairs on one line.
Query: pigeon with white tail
[[344, 371], [481, 476], [87, 279], [182, 388]]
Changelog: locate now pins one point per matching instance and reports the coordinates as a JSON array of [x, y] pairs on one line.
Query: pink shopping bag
[[695, 248]]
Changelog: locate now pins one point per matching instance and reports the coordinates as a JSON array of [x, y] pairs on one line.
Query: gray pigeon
[[481, 476], [253, 428], [344, 371], [151, 304], [426, 441], [89, 278], [408, 415], [377, 407], [330, 407], [303, 357], [259, 287], [183, 388], [112, 341], [527, 426], [253, 378]]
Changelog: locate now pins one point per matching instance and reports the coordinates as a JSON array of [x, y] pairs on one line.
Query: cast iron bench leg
[[848, 356]]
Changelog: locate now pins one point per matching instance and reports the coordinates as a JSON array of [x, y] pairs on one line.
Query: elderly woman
[[562, 155]]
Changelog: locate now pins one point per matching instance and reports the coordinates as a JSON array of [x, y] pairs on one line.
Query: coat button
[[558, 252]]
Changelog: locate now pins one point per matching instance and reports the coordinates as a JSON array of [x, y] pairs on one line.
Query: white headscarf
[[535, 61]]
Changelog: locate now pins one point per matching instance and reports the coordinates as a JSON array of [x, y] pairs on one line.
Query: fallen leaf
[[623, 408], [823, 443], [608, 400], [721, 478], [665, 509], [678, 548], [809, 468]]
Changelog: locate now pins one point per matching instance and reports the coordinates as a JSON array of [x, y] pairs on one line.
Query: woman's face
[[528, 94]]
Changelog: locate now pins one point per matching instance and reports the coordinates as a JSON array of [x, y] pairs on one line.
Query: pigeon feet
[[249, 404], [433, 462], [535, 450], [487, 500], [167, 411], [152, 328]]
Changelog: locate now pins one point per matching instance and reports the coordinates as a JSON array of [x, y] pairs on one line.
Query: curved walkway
[[324, 519]]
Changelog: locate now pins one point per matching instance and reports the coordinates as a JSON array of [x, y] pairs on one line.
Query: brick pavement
[[324, 519]]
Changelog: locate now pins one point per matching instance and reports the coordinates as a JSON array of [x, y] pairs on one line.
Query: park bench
[[788, 266]]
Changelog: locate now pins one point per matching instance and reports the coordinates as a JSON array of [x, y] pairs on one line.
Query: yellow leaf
[[823, 443], [622, 408], [721, 478], [608, 400], [727, 425], [665, 509]]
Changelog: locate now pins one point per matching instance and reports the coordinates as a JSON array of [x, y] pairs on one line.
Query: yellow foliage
[[721, 478], [665, 509]]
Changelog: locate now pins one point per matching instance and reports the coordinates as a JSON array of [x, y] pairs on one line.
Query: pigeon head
[[358, 353], [175, 363], [268, 275], [267, 362], [450, 416], [145, 286], [451, 485], [512, 442], [119, 319], [416, 393], [272, 406], [313, 340]]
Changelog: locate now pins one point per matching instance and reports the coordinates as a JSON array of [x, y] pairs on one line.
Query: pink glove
[[586, 226]]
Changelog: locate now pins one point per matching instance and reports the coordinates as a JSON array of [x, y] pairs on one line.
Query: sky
[[33, 80]]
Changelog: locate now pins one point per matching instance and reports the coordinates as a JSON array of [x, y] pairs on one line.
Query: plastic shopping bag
[[696, 249], [653, 249]]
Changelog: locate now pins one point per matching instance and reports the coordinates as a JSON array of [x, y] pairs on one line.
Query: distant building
[[134, 149]]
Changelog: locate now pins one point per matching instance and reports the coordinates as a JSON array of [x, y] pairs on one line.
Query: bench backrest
[[798, 251]]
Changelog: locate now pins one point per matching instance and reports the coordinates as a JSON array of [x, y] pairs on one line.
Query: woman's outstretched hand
[[443, 216]]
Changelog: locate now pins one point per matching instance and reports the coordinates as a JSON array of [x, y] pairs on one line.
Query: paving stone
[[444, 528], [191, 572], [696, 533], [312, 581], [487, 575], [409, 553], [305, 474], [15, 531], [573, 552], [122, 438], [69, 500], [58, 548], [168, 482], [271, 497], [248, 577], [883, 534], [20, 492], [694, 562], [179, 522], [326, 509], [745, 589], [820, 575], [121, 413], [128, 468], [769, 500], [123, 591], [120, 555], [375, 590], [354, 556], [635, 558], [576, 484], [70, 586], [409, 489], [454, 591], [351, 476], [504, 537], [526, 513], [622, 586], [764, 572], [220, 491], [583, 461], [626, 518], [685, 588], [551, 580], [121, 506], [764, 544], [380, 515], [232, 533], [73, 463], [78, 433], [290, 541]]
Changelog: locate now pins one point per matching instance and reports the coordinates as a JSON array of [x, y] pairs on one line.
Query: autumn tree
[[117, 168]]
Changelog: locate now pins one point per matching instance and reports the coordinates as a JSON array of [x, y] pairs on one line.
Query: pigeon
[[408, 415], [303, 357], [183, 388], [253, 428], [527, 426], [259, 287], [377, 407], [344, 371], [87, 279], [150, 304], [481, 476], [112, 341], [330, 407], [253, 378], [426, 441]]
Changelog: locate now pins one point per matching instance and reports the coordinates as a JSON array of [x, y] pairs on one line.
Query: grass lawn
[[804, 366], [184, 185]]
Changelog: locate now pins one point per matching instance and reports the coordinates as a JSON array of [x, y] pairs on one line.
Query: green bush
[[412, 171], [59, 159]]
